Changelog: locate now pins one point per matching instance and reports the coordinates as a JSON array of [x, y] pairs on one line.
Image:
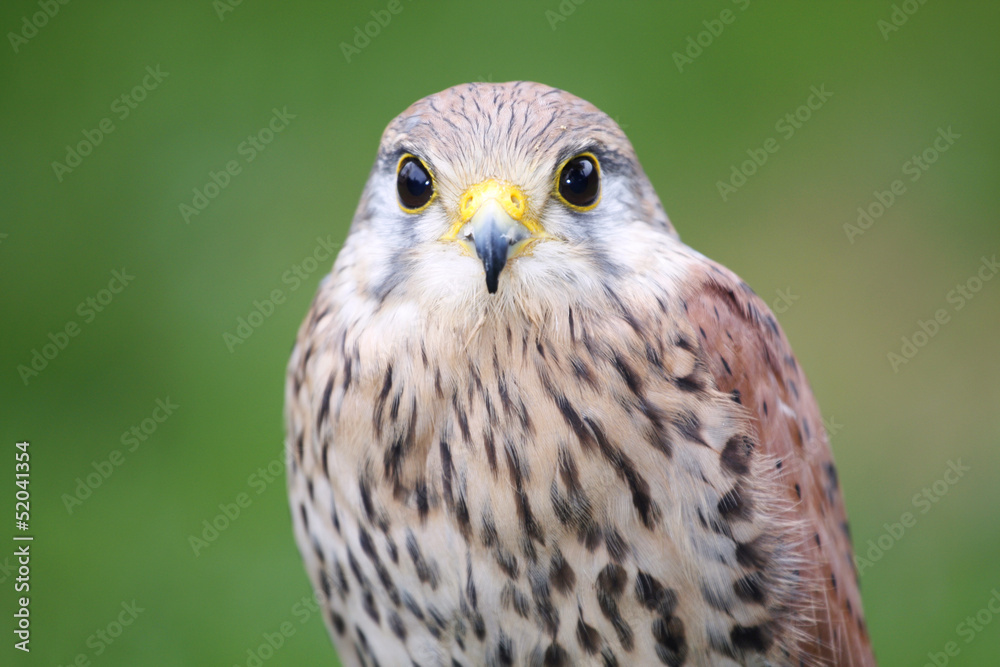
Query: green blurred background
[[844, 302]]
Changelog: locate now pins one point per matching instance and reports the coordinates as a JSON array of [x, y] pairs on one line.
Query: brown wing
[[748, 355]]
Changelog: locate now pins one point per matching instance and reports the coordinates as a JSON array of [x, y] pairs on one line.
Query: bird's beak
[[492, 222], [495, 233]]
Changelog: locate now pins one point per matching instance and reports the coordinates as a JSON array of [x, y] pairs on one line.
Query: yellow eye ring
[[578, 182], [415, 186]]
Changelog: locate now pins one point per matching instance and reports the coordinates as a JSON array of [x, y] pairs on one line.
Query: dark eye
[[580, 181], [414, 184]]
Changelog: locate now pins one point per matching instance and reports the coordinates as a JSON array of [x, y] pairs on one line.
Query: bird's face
[[497, 193]]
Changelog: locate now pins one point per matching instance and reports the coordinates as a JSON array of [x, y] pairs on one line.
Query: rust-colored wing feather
[[749, 356]]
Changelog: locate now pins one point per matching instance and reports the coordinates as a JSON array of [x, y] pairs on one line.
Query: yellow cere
[[509, 196]]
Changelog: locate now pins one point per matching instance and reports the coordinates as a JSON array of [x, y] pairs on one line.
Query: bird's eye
[[580, 182], [413, 184]]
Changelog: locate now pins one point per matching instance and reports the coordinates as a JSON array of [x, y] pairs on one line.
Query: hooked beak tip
[[494, 234]]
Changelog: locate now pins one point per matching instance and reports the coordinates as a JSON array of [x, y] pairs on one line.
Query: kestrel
[[527, 425]]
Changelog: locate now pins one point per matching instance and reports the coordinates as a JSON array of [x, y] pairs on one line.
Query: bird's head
[[490, 193]]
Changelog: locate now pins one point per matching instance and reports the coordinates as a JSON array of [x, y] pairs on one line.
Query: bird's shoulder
[[749, 357]]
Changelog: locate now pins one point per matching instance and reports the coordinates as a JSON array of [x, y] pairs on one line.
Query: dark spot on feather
[[715, 599], [611, 580], [324, 407], [347, 374], [436, 623], [424, 572], [338, 622], [689, 426], [749, 555], [628, 375], [733, 505], [368, 602], [737, 453], [446, 471], [507, 562], [690, 383], [544, 609], [367, 546], [671, 642], [324, 584], [561, 574], [610, 584], [491, 452], [412, 606], [581, 370], [387, 383], [588, 637], [831, 474], [390, 547], [756, 638], [615, 545], [654, 596], [748, 589], [394, 409], [396, 625], [366, 499], [559, 505], [505, 650], [463, 421], [462, 514], [511, 597], [555, 656], [422, 503]]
